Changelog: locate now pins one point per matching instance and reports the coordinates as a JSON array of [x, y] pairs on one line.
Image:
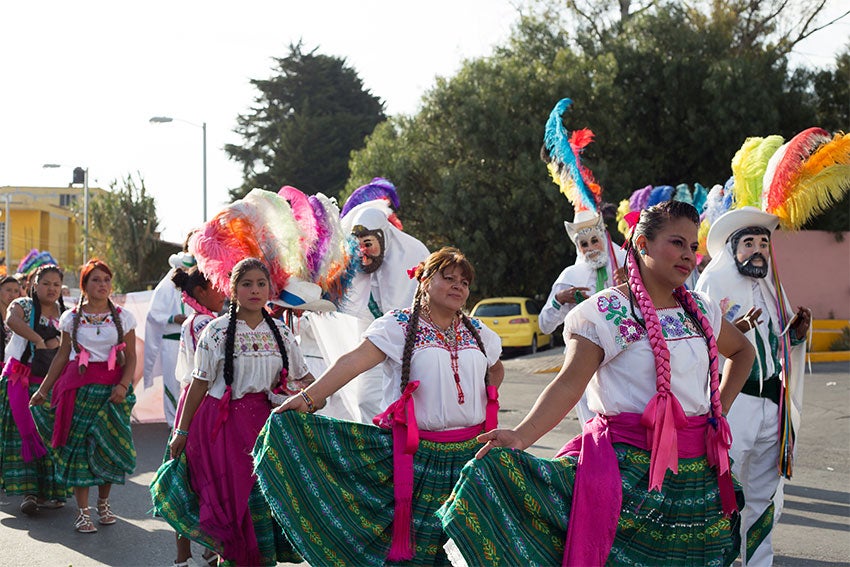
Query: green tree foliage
[[305, 122], [123, 232], [668, 91]]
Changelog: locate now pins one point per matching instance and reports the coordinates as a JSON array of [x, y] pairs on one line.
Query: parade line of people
[[390, 451]]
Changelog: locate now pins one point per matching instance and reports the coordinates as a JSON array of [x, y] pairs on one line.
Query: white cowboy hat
[[730, 222], [303, 295], [583, 219]]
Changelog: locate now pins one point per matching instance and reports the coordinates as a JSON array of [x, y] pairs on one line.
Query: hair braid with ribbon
[[410, 335]]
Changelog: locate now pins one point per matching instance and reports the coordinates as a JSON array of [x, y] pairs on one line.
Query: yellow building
[[42, 218]]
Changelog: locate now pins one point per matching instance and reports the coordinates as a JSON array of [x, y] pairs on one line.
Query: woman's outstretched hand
[[295, 402], [507, 438]]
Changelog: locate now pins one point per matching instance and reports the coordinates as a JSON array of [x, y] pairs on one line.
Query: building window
[[67, 200]]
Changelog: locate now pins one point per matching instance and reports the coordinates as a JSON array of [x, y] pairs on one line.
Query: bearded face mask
[[752, 249], [590, 243], [371, 247]]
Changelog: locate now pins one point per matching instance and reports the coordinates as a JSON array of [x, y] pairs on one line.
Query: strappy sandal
[[107, 518], [30, 505], [83, 523]]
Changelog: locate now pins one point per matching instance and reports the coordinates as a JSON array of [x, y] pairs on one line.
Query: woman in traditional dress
[[206, 302], [647, 353], [210, 494], [354, 494], [26, 462], [93, 396]]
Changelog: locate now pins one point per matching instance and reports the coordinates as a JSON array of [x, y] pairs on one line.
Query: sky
[[82, 79]]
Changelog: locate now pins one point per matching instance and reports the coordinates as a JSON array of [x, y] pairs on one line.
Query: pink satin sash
[[597, 491], [18, 381], [400, 416], [65, 393]]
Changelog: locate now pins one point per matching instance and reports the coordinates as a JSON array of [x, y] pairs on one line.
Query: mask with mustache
[[751, 269]]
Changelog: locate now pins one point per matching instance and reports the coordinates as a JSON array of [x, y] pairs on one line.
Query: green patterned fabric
[[174, 500], [38, 476], [759, 530], [100, 447], [330, 484], [512, 508]]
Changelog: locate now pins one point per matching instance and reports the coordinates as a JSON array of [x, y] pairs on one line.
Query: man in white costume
[[593, 271], [765, 417], [162, 335], [382, 284]]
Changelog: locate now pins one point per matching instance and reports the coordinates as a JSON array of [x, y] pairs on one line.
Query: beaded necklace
[[449, 338]]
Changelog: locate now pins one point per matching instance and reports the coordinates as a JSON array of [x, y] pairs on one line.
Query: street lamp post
[[85, 181], [203, 127]]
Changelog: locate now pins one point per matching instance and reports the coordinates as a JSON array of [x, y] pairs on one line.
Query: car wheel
[[534, 344]]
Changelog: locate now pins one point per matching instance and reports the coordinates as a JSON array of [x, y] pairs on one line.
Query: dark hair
[[654, 218], [189, 280], [239, 271], [749, 230], [9, 279], [438, 261], [36, 302]]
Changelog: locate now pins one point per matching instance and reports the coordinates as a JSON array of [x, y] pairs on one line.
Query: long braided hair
[[438, 261], [85, 274], [239, 271], [36, 302], [652, 220]]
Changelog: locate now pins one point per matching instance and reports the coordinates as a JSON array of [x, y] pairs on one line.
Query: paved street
[[814, 530]]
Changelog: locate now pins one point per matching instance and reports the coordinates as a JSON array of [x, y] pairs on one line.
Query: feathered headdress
[[576, 181], [33, 260], [748, 166], [378, 188], [806, 176]]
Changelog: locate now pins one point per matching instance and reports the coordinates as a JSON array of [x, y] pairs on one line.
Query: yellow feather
[[622, 211], [813, 194], [702, 236], [748, 166]]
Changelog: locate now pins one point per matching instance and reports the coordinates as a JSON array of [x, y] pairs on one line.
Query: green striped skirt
[[174, 500], [100, 446], [512, 508], [38, 476], [330, 484]]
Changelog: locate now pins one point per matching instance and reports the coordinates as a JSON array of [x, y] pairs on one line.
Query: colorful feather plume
[[638, 200], [748, 167], [659, 195], [811, 175], [331, 258], [699, 197], [622, 210], [34, 260], [576, 181], [378, 188], [683, 194], [714, 207]]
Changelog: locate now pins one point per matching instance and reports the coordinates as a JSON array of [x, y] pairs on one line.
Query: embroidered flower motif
[[602, 303], [614, 302], [671, 326], [630, 330]]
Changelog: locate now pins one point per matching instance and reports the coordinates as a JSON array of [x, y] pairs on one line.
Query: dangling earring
[[643, 251]]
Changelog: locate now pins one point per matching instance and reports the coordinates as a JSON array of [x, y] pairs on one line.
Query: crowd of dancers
[[370, 436]]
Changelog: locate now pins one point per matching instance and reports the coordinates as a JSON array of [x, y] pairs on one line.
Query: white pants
[[754, 423]]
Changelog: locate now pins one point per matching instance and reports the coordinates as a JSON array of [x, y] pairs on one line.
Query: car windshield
[[497, 310]]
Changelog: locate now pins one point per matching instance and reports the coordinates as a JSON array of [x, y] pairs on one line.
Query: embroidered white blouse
[[190, 334], [97, 332], [257, 361], [436, 399], [625, 381]]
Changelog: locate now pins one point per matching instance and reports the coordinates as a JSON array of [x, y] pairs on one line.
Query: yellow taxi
[[514, 319]]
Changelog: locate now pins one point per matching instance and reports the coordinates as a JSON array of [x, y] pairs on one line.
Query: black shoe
[[29, 506]]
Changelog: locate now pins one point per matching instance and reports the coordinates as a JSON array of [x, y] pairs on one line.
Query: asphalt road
[[814, 530]]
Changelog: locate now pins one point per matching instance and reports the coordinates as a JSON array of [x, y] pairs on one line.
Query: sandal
[[83, 523], [50, 504], [210, 558], [30, 505], [107, 518]]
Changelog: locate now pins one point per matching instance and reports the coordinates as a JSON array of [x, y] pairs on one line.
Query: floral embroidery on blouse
[[674, 326], [427, 336]]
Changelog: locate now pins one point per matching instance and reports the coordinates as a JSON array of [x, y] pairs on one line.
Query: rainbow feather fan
[[748, 167], [576, 181], [811, 175], [34, 260], [331, 251]]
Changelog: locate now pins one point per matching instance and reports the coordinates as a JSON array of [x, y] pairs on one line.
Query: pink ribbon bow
[[662, 417], [718, 440], [83, 357], [401, 417], [113, 355]]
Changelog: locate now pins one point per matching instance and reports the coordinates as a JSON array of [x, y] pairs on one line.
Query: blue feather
[[659, 195], [700, 196], [683, 193], [557, 142]]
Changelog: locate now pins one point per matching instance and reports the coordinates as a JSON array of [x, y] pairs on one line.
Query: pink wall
[[815, 270]]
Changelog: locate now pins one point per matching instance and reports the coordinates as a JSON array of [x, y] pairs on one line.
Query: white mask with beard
[[590, 244]]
